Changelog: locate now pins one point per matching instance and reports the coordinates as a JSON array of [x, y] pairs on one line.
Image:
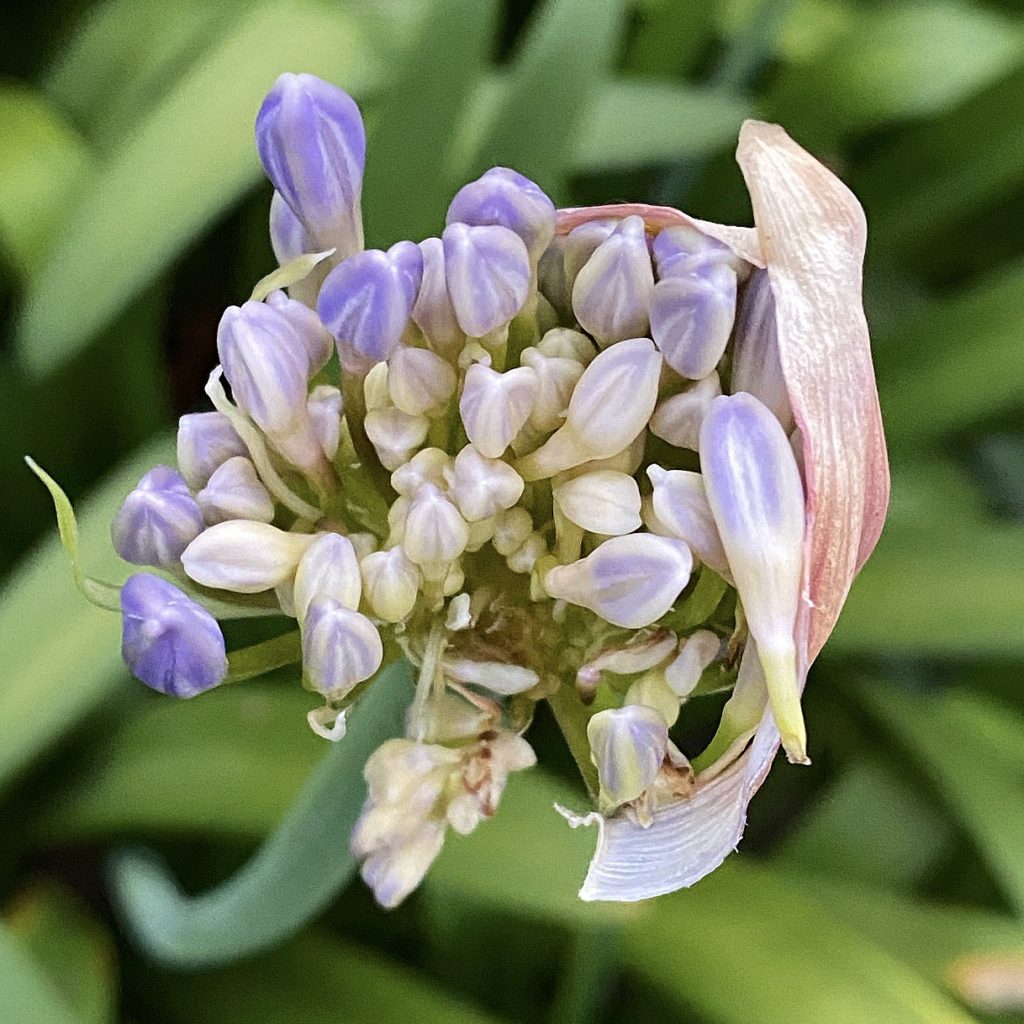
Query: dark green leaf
[[28, 996]]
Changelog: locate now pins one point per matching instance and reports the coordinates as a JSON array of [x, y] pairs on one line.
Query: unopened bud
[[511, 530], [679, 250], [696, 653], [681, 505], [425, 467], [564, 343], [556, 379], [495, 406], [157, 520], [340, 647], [316, 340], [628, 581], [482, 487], [391, 582], [627, 746], [244, 557], [582, 242], [234, 491], [604, 502], [525, 557], [206, 440], [435, 532], [433, 311], [419, 381], [678, 419], [288, 237], [328, 568], [652, 690], [325, 408], [612, 293], [391, 430]]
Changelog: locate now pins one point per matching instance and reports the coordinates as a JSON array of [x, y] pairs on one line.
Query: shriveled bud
[[692, 317], [316, 339], [503, 196], [610, 406], [425, 467], [679, 250], [681, 506], [612, 292], [564, 343], [206, 440], [170, 642], [499, 677], [312, 146], [643, 651], [602, 502], [678, 419], [340, 647], [366, 301], [652, 690], [419, 381], [328, 568], [756, 368], [582, 242], [511, 530], [696, 652], [244, 557], [628, 581], [556, 379], [325, 408], [435, 532], [157, 520], [235, 491], [481, 486], [495, 406], [756, 496], [391, 582], [488, 274], [627, 746], [433, 311]]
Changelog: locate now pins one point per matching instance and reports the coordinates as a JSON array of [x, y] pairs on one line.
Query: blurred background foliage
[[885, 884]]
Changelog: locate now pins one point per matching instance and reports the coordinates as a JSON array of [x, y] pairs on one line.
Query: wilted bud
[[643, 651], [628, 581], [433, 311], [394, 871], [488, 274], [435, 532], [391, 583], [312, 145], [499, 677], [482, 487], [679, 250], [419, 381], [328, 568], [206, 440], [612, 292], [325, 408], [170, 642], [610, 406], [692, 317], [756, 368], [603, 502], [426, 467], [511, 530], [681, 506], [503, 196], [315, 338], [485, 772], [696, 652], [627, 746], [366, 301], [678, 419], [582, 242], [340, 647], [234, 491], [244, 557], [157, 520], [756, 496], [556, 379], [495, 406]]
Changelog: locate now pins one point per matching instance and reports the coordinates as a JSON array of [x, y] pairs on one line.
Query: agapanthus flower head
[[614, 450]]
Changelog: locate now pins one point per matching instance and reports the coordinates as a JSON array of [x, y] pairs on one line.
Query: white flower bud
[[397, 515], [511, 529], [234, 491], [681, 506], [419, 381], [435, 532], [425, 467], [678, 419], [394, 871], [363, 543], [453, 580], [628, 581], [459, 615], [564, 343], [340, 647], [628, 461], [325, 410], [391, 430], [498, 677], [696, 652], [433, 311], [652, 690], [627, 746], [329, 568], [375, 387], [524, 558], [480, 532], [482, 487], [244, 557], [604, 502], [391, 583], [557, 377], [581, 243], [495, 406]]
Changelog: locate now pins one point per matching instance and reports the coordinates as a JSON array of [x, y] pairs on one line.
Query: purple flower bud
[[206, 440], [505, 197], [612, 292], [580, 244], [683, 250], [170, 642], [234, 491], [316, 339], [157, 521], [433, 311], [340, 647], [325, 408], [366, 300], [287, 235], [756, 368], [692, 317], [312, 146], [488, 274]]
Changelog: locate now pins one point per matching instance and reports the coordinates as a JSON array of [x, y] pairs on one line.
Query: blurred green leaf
[[188, 160], [410, 177], [43, 166], [72, 949], [970, 747], [566, 53], [28, 996], [314, 980], [669, 37], [744, 945], [302, 865], [62, 656]]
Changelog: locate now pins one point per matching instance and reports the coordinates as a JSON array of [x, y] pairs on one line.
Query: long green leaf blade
[[28, 996]]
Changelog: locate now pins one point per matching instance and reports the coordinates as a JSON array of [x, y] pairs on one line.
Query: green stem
[[589, 974], [572, 718], [249, 662]]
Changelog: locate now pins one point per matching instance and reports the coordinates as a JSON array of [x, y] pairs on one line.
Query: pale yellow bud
[[419, 381], [391, 583], [604, 502]]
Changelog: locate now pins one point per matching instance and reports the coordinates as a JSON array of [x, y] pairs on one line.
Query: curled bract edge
[[810, 234]]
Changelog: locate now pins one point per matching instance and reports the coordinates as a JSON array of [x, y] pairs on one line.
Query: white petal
[[604, 502]]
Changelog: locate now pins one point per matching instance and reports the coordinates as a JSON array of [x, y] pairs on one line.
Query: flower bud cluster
[[534, 456]]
